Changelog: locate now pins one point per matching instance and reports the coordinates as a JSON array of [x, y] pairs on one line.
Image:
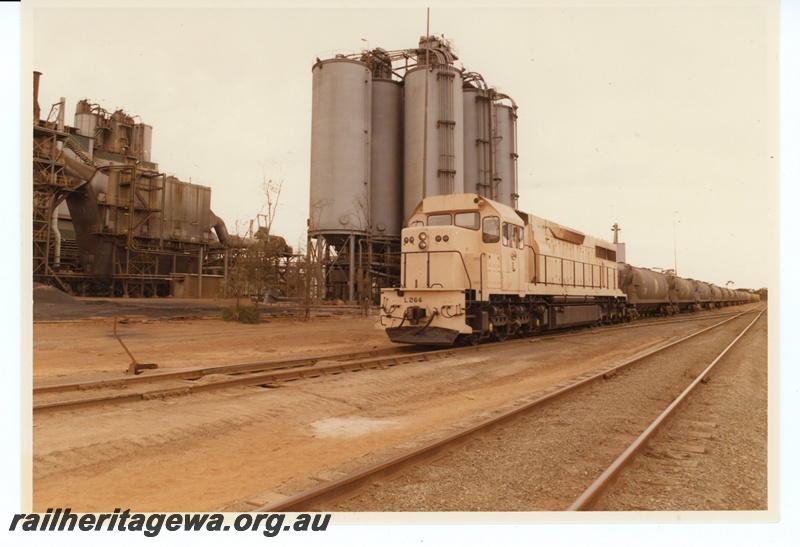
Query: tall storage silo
[[433, 153], [386, 169], [340, 149], [505, 174], [477, 142]]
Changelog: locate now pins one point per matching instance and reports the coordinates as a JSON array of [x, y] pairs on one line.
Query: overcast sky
[[626, 114]]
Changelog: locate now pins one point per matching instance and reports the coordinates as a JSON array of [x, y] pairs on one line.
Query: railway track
[[590, 496], [268, 373], [328, 494], [257, 373]]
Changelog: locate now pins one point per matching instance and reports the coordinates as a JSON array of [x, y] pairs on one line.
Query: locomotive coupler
[[413, 314]]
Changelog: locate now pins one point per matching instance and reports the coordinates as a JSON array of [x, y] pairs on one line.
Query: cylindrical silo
[[505, 174], [434, 153], [386, 168], [340, 148], [477, 142]]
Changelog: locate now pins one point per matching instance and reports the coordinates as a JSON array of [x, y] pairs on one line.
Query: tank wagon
[[474, 269], [702, 295]]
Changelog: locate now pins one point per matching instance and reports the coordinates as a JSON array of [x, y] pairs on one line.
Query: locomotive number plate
[[412, 299]]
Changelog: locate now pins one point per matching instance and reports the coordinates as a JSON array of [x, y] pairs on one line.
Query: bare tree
[[236, 285], [272, 186]]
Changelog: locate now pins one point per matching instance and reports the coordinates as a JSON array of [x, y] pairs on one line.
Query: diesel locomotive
[[473, 269]]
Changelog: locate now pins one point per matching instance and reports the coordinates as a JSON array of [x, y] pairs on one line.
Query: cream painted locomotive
[[473, 269]]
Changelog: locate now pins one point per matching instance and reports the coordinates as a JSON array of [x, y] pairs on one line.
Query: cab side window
[[518, 242], [439, 220], [468, 220], [491, 229], [512, 236]]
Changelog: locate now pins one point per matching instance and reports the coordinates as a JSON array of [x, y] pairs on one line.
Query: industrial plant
[[389, 128], [108, 222]]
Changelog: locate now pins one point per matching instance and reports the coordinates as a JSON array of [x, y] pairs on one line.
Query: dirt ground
[[73, 338], [240, 448]]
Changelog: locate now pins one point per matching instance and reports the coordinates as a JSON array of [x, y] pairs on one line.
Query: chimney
[[36, 110]]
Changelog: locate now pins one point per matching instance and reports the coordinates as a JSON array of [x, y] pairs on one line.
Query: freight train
[[473, 269]]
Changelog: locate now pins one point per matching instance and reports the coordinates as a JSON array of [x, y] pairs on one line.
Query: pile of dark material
[[51, 304], [44, 294]]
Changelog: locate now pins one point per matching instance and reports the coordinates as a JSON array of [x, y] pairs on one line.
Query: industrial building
[[108, 222], [390, 128]]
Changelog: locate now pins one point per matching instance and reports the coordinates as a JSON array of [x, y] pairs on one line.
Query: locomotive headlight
[[405, 240], [411, 239], [423, 245], [423, 236], [446, 238], [438, 238]]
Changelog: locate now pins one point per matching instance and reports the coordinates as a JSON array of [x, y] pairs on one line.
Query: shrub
[[248, 315]]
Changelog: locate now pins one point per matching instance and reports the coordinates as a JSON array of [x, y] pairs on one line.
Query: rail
[[346, 486], [244, 374], [590, 496]]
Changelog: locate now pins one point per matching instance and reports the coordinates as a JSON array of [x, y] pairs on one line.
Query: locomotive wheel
[[500, 333], [472, 340]]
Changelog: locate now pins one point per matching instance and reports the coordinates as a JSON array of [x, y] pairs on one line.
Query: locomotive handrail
[[480, 266]]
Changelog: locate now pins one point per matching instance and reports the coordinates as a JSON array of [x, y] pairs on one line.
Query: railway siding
[[714, 455], [543, 462]]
